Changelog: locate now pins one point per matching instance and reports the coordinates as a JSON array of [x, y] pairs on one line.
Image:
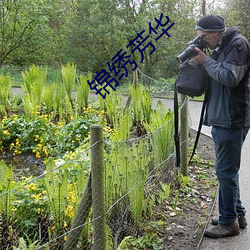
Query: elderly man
[[228, 112]]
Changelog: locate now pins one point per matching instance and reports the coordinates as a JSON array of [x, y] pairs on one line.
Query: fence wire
[[44, 210]]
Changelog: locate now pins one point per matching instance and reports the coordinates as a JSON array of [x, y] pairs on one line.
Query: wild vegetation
[[90, 33], [51, 120], [55, 126]]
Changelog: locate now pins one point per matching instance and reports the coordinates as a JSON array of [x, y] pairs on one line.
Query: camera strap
[[199, 127]]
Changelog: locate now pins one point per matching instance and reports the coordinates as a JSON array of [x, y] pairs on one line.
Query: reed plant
[[141, 100], [114, 110], [48, 98], [126, 172], [135, 92], [34, 80], [161, 130], [6, 184], [56, 184], [83, 91], [5, 90], [68, 74], [62, 106]]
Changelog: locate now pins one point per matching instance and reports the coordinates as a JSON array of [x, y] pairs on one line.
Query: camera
[[190, 51]]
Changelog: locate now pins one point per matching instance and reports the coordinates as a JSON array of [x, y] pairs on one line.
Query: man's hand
[[200, 58]]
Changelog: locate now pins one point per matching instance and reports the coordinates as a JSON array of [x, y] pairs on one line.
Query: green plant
[[147, 241], [164, 191], [141, 104], [112, 106], [48, 98], [5, 90], [121, 131], [176, 199], [29, 244], [83, 91], [184, 181], [56, 187], [34, 81], [126, 173], [30, 207], [161, 126], [6, 196], [68, 74]]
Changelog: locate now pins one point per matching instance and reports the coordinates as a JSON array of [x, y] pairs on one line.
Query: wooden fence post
[[98, 195]]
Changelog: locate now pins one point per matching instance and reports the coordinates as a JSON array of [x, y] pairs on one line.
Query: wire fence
[[57, 209]]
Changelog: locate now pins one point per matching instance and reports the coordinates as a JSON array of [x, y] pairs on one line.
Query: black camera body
[[190, 51]]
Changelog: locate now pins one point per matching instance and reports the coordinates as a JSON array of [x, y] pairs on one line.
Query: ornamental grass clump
[[34, 80], [5, 91], [83, 91]]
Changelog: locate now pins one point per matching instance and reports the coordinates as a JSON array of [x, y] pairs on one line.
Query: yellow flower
[[31, 187], [16, 152], [37, 196], [14, 209], [45, 151], [6, 132], [69, 211], [38, 156], [73, 199]]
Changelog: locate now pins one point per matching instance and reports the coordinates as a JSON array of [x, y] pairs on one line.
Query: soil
[[186, 223], [25, 164]]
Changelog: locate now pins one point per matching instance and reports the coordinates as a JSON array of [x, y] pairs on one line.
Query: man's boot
[[221, 230], [241, 219]]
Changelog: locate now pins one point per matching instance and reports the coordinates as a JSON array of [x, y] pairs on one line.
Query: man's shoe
[[221, 231], [241, 219]]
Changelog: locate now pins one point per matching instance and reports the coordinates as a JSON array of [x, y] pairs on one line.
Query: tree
[[21, 21], [237, 12]]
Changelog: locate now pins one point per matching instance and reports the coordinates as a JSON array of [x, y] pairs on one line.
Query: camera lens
[[187, 53]]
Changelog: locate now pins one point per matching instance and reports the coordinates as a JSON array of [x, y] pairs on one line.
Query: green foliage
[[57, 188], [147, 241], [128, 161], [29, 245], [83, 91], [90, 33], [126, 172], [141, 104], [5, 90], [30, 206], [164, 191], [112, 105], [48, 98], [162, 121], [43, 137], [6, 184], [68, 74], [33, 85], [24, 30]]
